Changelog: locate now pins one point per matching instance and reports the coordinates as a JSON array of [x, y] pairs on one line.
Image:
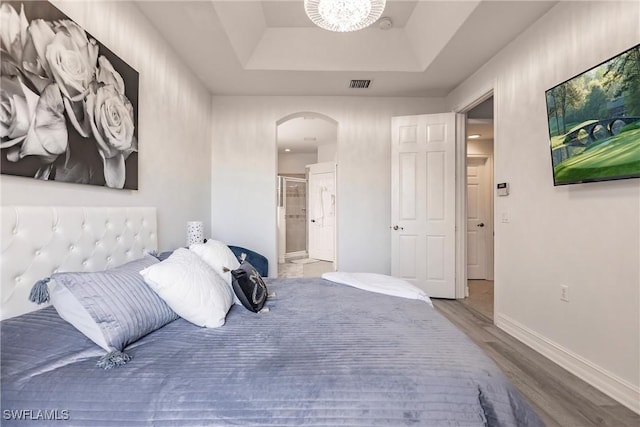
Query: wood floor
[[560, 398], [480, 297]]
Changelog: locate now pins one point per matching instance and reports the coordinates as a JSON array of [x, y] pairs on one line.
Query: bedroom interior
[[566, 267]]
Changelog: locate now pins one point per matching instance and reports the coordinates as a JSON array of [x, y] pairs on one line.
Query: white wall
[[295, 162], [174, 130], [244, 157], [585, 236], [328, 153]]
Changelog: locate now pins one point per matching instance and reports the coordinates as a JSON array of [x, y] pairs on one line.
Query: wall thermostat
[[503, 189]]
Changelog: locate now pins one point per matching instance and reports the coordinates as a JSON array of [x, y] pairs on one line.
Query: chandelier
[[344, 15]]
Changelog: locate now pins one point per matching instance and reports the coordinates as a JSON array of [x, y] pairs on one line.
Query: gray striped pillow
[[113, 307]]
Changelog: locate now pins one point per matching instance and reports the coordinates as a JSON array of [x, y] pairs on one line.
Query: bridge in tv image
[[598, 149], [597, 129]]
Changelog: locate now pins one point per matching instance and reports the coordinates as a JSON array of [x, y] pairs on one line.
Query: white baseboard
[[608, 383]]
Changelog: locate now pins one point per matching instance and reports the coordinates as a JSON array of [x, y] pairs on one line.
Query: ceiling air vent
[[359, 84]]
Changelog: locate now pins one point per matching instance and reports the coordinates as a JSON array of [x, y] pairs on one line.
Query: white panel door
[[322, 211], [477, 218], [423, 202]]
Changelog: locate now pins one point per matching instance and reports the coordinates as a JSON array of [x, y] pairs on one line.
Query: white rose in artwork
[[108, 75], [17, 108], [34, 61], [72, 58], [31, 125], [23, 46], [13, 34], [111, 118]]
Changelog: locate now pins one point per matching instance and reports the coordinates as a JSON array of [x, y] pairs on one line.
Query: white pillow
[[191, 288], [218, 256]]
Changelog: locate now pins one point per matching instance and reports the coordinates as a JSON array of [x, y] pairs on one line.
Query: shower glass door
[[295, 202]]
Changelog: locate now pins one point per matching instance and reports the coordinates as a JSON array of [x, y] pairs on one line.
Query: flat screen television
[[594, 122]]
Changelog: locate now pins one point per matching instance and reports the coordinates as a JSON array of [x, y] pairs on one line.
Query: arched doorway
[[307, 203]]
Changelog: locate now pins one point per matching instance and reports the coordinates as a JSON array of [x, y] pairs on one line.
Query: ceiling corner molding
[[244, 24], [432, 24]]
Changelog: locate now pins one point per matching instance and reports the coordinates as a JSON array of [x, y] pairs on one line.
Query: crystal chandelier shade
[[344, 15]]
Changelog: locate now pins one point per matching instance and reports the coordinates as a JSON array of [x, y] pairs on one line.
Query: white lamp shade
[[195, 232]]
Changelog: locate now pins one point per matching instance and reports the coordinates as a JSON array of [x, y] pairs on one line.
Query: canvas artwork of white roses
[[68, 105]]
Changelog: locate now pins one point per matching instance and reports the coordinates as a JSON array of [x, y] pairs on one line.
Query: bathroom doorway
[[305, 141]]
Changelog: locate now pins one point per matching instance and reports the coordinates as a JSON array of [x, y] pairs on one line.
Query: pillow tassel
[[113, 359], [40, 291]]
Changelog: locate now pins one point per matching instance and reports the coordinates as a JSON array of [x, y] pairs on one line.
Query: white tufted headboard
[[38, 241]]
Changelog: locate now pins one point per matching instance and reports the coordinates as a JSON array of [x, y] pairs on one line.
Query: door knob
[[481, 225], [313, 220], [395, 227]]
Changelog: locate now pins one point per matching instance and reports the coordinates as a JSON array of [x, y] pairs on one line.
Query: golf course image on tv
[[594, 122]]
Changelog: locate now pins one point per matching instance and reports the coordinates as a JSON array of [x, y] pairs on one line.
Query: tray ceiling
[[239, 47]]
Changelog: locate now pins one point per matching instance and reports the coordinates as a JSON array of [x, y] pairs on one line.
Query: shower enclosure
[[292, 201]]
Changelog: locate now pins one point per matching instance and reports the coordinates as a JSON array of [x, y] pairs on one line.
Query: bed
[[324, 354]]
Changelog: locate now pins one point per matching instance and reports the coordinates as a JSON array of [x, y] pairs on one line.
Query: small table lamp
[[195, 232]]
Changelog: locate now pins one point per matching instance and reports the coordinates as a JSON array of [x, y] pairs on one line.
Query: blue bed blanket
[[323, 355]]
